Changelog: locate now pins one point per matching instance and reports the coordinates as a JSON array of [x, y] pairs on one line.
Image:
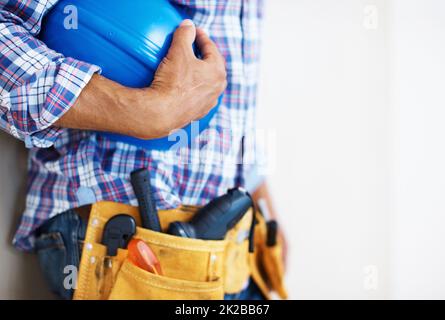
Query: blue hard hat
[[127, 39]]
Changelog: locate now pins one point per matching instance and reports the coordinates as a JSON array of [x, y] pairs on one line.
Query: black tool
[[118, 231], [140, 179], [271, 225], [213, 221], [272, 233]]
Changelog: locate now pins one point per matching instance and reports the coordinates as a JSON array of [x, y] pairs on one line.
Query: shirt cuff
[[72, 77]]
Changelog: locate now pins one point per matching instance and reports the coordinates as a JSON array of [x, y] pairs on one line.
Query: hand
[[187, 86], [184, 89]]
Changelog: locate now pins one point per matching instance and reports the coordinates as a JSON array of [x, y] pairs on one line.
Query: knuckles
[[186, 81]]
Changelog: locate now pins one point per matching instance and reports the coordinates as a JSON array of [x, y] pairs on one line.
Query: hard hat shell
[[127, 39]]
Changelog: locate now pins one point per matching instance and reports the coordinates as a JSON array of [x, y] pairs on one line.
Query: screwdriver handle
[[140, 180]]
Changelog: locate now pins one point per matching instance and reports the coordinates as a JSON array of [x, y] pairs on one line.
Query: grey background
[[20, 276]]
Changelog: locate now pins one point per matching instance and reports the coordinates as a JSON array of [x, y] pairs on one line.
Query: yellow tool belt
[[192, 268]]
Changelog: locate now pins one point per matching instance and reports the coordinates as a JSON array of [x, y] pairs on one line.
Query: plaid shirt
[[71, 168]]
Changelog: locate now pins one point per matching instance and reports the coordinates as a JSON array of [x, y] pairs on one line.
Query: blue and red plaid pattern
[[71, 168]]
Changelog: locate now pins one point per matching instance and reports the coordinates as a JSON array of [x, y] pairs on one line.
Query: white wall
[[324, 93], [418, 100], [359, 175]]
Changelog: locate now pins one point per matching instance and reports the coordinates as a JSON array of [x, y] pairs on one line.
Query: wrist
[[145, 110]]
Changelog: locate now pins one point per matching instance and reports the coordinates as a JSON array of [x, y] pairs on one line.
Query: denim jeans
[[59, 244]]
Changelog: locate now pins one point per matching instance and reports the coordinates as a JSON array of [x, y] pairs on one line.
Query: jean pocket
[[52, 256]]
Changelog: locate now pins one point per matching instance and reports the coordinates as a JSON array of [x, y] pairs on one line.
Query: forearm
[[105, 105]]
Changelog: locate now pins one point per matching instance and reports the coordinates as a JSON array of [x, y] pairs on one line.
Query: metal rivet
[[89, 246], [93, 260], [95, 222]]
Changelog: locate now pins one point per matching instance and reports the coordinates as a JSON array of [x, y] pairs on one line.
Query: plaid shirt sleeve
[[37, 85]]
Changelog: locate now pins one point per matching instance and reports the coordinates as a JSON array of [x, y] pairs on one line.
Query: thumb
[[184, 36]]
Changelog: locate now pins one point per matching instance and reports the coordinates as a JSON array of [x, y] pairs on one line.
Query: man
[[57, 105]]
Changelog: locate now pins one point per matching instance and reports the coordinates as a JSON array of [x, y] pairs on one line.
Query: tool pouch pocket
[[272, 261], [191, 268], [268, 265], [137, 284]]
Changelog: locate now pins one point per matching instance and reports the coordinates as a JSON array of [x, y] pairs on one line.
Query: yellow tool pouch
[[269, 261], [192, 268]]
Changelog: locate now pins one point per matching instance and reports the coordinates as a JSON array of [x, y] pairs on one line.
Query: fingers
[[206, 46], [184, 37]]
